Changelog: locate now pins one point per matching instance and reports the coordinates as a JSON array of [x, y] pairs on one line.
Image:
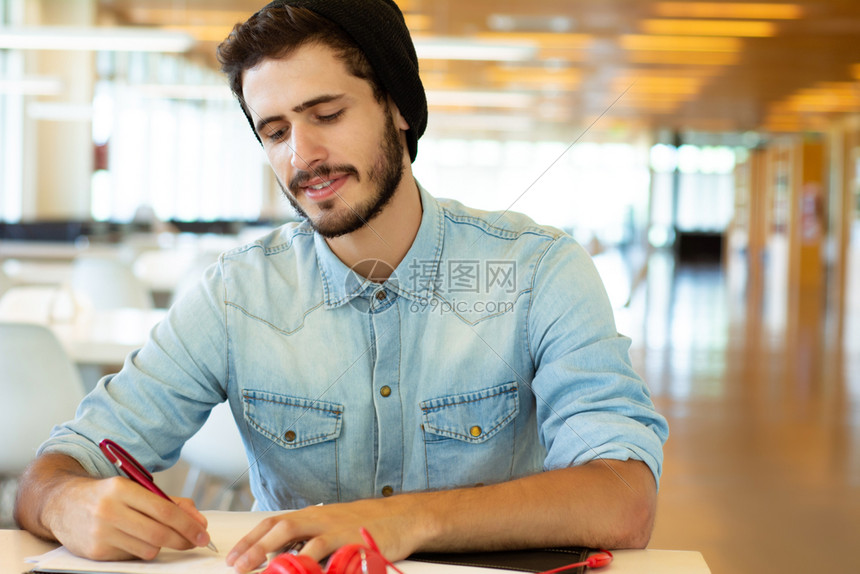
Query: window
[[175, 141], [588, 189], [12, 89], [706, 187]]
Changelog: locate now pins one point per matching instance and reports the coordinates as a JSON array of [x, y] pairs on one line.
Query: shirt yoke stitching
[[269, 323], [499, 232]]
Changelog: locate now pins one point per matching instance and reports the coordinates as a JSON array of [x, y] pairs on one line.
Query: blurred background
[[707, 154]]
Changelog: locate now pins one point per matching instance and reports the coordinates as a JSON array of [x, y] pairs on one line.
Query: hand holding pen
[[135, 471]]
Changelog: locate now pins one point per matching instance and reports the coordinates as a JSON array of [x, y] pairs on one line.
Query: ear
[[399, 120]]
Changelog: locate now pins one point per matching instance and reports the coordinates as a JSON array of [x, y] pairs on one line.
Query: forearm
[[607, 504], [38, 488], [604, 504]]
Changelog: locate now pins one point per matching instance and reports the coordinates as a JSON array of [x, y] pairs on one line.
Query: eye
[[331, 117], [277, 135]]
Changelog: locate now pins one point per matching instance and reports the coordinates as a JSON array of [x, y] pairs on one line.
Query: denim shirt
[[491, 353]]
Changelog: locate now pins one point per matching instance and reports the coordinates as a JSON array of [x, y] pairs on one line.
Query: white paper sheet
[[225, 529]]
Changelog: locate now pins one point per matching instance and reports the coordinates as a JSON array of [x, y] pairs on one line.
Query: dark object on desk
[[537, 560]]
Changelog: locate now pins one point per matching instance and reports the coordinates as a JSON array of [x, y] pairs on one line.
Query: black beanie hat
[[379, 29]]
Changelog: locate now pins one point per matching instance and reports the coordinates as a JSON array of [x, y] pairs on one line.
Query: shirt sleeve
[[163, 393], [591, 404]]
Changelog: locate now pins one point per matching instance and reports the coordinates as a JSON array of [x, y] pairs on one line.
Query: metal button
[[387, 491], [290, 436], [385, 391], [380, 295], [475, 431]]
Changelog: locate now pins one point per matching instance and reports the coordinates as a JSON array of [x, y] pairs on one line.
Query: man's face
[[337, 152]]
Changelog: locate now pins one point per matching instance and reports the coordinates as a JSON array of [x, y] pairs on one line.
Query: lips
[[319, 189]]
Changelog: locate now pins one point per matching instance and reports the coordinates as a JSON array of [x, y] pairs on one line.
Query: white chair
[[218, 474], [40, 387], [108, 284]]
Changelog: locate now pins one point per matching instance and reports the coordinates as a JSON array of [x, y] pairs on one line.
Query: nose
[[307, 146]]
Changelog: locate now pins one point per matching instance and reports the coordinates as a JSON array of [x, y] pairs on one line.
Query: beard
[[386, 174]]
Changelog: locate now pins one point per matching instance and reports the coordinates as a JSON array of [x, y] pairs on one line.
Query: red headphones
[[358, 559], [350, 559]]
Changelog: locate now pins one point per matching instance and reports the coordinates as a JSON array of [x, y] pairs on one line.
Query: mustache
[[322, 171]]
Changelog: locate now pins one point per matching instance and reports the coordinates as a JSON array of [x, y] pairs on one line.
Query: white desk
[[22, 272], [51, 250], [106, 337], [16, 546]]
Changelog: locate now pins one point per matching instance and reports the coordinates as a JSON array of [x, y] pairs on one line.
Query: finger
[[320, 547], [120, 533], [127, 545], [152, 531], [162, 523], [102, 541], [190, 508], [271, 535]]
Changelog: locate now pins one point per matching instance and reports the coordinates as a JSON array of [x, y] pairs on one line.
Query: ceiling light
[[470, 123], [759, 11], [552, 46], [539, 77], [119, 39], [680, 43], [479, 99], [512, 22], [479, 50], [203, 32], [166, 16], [684, 58], [544, 39], [732, 28]]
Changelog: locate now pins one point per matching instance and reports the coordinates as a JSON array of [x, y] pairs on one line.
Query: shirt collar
[[415, 276]]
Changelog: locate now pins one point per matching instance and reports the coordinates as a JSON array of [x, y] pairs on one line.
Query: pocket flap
[[471, 417], [292, 422]]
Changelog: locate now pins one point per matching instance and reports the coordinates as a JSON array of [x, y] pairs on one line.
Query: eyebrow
[[323, 99]]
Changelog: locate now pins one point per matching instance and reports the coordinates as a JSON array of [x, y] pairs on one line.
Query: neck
[[377, 248]]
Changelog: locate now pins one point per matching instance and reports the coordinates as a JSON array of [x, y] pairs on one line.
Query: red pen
[[120, 458]]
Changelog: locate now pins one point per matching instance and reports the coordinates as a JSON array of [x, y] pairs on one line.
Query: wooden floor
[[762, 467]]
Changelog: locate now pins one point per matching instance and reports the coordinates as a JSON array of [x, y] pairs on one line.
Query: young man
[[447, 378]]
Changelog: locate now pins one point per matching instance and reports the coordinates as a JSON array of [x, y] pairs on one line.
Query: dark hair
[[278, 30]]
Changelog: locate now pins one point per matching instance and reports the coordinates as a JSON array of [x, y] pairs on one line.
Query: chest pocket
[[469, 438], [291, 422], [304, 467]]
